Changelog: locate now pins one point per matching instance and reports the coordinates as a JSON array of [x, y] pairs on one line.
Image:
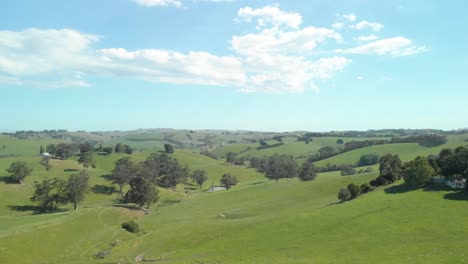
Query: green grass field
[[258, 221]]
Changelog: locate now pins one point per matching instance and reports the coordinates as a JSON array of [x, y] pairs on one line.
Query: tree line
[[417, 173]]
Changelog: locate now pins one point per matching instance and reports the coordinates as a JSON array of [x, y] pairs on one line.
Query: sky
[[238, 65]]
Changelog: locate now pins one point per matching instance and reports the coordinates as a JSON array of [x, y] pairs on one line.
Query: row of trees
[[390, 170], [283, 166], [450, 163]]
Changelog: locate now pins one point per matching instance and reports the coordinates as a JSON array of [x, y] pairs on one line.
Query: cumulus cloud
[[280, 56], [368, 25], [270, 15], [397, 46]]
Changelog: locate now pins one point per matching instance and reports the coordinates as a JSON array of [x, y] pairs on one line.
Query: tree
[[76, 187], [51, 149], [418, 172], [456, 163], [344, 194], [85, 147], [354, 190], [42, 194], [230, 157], [165, 170], [365, 188], [327, 151], [307, 172], [123, 148], [199, 176], [124, 170], [390, 167], [41, 149], [348, 170], [142, 191], [60, 195], [228, 181], [368, 159], [434, 164], [340, 141], [50, 193], [64, 150], [45, 161], [280, 166], [168, 148], [18, 171], [108, 150], [86, 159]]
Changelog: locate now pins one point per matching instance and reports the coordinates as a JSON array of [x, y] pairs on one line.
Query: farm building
[[45, 154], [457, 183]]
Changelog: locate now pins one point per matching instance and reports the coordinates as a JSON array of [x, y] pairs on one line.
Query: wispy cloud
[[397, 46], [158, 3], [174, 3], [366, 38]]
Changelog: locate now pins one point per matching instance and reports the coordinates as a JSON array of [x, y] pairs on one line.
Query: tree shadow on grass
[[34, 209], [257, 183], [336, 203], [107, 177], [396, 189], [457, 196], [128, 206], [436, 187], [8, 180], [103, 189]]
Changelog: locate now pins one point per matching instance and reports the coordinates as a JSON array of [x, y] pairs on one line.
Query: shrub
[[343, 194], [365, 188], [368, 159], [131, 227], [354, 190], [348, 170]]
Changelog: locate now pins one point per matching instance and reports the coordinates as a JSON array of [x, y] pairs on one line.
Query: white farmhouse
[[457, 183], [45, 154]]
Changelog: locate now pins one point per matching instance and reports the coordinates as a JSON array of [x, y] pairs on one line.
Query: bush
[[354, 190], [365, 188], [344, 194], [368, 159], [348, 170], [131, 227]]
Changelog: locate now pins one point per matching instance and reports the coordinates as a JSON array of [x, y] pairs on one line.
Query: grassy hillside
[[258, 221], [290, 147], [406, 151]]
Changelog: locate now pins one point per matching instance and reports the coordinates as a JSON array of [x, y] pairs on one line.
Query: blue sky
[[248, 65]]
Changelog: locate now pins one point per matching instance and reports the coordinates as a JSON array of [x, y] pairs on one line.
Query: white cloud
[[366, 38], [270, 16], [368, 25], [153, 3], [280, 57], [283, 42], [338, 25], [349, 17], [397, 46]]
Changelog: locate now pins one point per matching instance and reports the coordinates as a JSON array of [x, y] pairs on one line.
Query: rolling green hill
[[258, 221]]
